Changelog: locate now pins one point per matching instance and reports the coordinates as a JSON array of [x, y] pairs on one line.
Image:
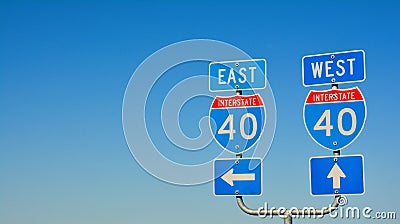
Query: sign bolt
[[237, 64], [332, 56], [237, 162], [335, 143], [335, 159], [237, 192], [336, 191], [333, 80]]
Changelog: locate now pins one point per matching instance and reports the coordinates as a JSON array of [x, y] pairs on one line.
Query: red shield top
[[237, 101]]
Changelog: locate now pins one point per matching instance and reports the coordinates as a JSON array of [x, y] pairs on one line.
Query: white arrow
[[336, 173], [229, 177]]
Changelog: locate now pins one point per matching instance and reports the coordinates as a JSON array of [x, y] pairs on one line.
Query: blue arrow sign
[[335, 118], [239, 121], [334, 175], [243, 74], [329, 68], [237, 177]]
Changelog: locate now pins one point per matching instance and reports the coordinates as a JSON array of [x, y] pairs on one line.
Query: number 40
[[328, 127], [231, 131]]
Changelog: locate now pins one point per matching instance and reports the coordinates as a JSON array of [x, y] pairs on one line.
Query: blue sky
[[64, 68]]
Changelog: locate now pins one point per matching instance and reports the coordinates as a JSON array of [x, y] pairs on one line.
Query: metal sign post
[[289, 213]]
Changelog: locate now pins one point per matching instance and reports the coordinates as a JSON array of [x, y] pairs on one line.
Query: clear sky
[[64, 68]]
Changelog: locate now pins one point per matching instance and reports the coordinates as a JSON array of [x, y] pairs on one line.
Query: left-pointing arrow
[[229, 177]]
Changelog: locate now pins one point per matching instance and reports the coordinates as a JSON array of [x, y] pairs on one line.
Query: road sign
[[329, 68], [335, 118], [237, 177], [243, 74], [237, 122], [332, 175]]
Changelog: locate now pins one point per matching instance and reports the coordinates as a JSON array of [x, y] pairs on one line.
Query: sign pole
[[288, 213], [238, 93], [337, 152], [288, 219]]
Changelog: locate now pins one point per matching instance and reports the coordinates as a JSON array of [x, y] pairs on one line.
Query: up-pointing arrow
[[229, 177], [336, 173]]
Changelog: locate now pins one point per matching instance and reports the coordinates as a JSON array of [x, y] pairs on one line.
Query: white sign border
[[259, 137], [330, 195], [233, 61], [234, 159], [341, 52], [362, 127]]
